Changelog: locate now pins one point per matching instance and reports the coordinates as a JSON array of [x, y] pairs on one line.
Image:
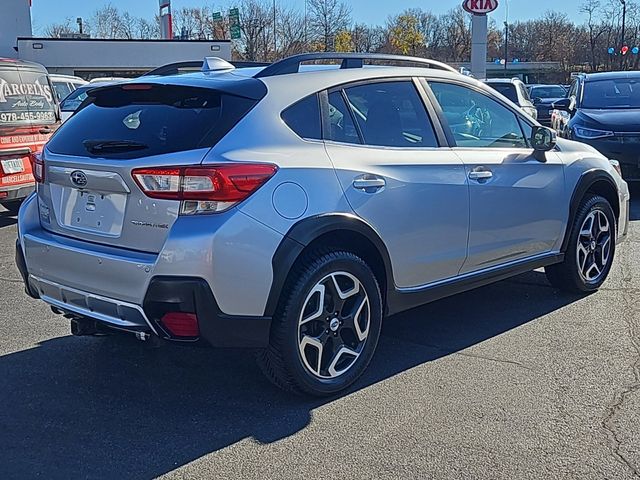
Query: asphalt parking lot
[[514, 380]]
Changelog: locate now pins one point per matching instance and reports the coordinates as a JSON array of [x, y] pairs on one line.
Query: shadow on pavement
[[113, 408], [6, 219]]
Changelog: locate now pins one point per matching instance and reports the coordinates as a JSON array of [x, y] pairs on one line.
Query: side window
[[303, 118], [476, 120], [341, 127], [391, 114]]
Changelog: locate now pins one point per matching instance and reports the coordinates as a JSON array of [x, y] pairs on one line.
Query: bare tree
[[57, 30], [106, 22], [327, 18]]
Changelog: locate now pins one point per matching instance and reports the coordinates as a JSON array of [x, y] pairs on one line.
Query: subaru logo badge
[[78, 178]]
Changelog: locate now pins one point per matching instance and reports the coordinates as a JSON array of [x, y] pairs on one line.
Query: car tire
[[12, 206], [590, 251], [326, 327]]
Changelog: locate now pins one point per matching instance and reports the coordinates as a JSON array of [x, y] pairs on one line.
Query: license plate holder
[[12, 166], [93, 212]]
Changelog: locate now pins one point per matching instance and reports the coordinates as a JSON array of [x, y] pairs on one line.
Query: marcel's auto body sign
[[480, 7], [25, 97]]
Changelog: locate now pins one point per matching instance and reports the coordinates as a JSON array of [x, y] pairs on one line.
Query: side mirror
[[564, 104], [543, 139], [536, 100]]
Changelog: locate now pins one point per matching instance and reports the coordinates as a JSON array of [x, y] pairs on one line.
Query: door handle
[[480, 175], [45, 131], [366, 182]]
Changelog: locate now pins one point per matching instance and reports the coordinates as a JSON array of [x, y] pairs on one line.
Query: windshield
[[548, 91], [25, 98], [614, 93], [506, 89]]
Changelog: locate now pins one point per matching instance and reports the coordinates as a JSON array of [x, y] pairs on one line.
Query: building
[[91, 58], [15, 21]]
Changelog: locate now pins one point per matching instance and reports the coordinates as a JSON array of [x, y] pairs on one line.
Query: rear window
[[26, 98], [506, 89], [135, 121]]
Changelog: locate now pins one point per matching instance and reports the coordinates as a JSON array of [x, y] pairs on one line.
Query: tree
[[57, 30], [405, 35], [106, 22], [343, 41], [326, 19]]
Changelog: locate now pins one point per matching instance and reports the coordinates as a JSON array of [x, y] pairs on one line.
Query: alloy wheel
[[333, 325], [594, 246]]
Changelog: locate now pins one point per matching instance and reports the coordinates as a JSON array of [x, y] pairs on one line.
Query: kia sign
[[480, 7]]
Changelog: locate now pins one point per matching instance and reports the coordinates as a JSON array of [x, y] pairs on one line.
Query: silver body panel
[[434, 221]]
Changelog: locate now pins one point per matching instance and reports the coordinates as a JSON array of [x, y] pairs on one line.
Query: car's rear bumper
[[15, 192], [163, 295], [122, 289]]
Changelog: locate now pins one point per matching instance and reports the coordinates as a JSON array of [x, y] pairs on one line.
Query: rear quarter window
[[117, 122], [303, 118]]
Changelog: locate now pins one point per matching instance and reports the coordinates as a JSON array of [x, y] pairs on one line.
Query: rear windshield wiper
[[112, 146]]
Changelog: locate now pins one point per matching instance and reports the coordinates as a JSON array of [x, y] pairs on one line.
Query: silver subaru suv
[[290, 208]]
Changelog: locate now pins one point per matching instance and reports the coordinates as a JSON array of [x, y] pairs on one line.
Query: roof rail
[[349, 60]]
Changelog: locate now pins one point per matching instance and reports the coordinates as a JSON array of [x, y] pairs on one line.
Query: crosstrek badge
[[480, 7]]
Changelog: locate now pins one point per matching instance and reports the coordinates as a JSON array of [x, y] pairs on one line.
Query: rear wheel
[[13, 206], [591, 249], [327, 326]]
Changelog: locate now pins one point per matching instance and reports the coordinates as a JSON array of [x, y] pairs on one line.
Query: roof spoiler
[[215, 64]]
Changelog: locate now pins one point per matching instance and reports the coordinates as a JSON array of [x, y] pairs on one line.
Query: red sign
[[480, 7]]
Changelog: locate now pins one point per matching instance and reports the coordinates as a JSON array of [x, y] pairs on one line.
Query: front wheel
[[327, 326], [591, 249]]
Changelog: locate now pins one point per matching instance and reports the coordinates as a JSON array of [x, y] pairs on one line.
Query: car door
[[414, 193], [516, 201]]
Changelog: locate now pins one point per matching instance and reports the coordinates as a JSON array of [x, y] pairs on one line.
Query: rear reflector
[[181, 324], [204, 189]]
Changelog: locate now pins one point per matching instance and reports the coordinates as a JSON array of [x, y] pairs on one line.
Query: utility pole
[[275, 33], [506, 44], [624, 18]]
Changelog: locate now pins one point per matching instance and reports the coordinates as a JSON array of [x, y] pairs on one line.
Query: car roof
[[506, 81], [318, 77], [70, 78], [12, 64], [592, 77]]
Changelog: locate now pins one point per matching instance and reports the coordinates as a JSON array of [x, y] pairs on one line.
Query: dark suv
[[605, 113]]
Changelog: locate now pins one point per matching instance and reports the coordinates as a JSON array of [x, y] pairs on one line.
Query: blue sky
[[45, 12]]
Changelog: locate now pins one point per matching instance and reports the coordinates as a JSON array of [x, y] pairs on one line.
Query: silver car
[[291, 208]]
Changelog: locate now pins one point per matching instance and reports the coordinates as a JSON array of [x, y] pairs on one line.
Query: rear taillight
[[201, 189], [37, 166]]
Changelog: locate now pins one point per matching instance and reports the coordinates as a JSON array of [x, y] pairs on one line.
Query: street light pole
[[624, 17]]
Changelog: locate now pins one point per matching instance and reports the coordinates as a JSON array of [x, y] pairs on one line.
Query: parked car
[[543, 97], [290, 208], [514, 90], [605, 113], [71, 103], [560, 121], [63, 85], [28, 115]]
